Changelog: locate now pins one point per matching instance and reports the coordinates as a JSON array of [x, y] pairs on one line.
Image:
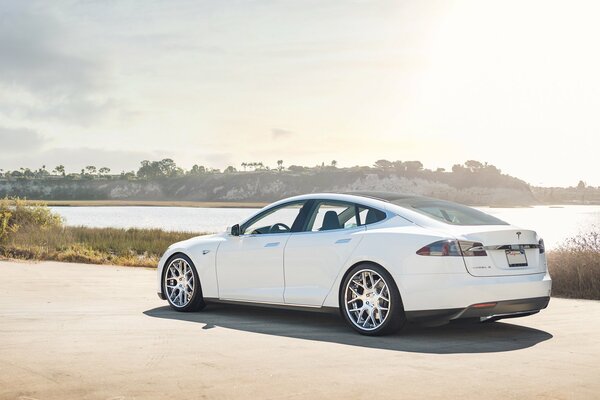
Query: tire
[[370, 302], [181, 293]]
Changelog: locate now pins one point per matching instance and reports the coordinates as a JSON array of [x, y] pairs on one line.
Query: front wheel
[[181, 284], [370, 302]]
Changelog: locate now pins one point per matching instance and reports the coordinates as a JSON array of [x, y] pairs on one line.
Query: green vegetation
[[575, 267], [31, 231]]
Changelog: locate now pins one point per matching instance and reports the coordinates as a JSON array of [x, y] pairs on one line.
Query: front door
[[250, 266]]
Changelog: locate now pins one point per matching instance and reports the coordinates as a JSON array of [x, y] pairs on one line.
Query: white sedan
[[379, 258]]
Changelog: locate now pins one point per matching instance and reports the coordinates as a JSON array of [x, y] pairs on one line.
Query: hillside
[[476, 186]]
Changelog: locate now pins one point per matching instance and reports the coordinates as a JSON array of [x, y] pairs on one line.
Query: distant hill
[[273, 185], [472, 183]]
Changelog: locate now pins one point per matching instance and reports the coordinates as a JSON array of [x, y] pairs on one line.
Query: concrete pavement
[[73, 331]]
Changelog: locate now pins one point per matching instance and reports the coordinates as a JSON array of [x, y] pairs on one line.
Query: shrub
[[16, 214], [575, 266]]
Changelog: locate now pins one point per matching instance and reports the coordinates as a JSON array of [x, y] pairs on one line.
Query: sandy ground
[[70, 331]]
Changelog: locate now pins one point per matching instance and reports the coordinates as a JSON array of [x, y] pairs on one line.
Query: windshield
[[448, 212]]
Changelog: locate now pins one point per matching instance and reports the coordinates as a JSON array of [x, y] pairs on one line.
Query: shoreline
[[222, 204], [148, 203]]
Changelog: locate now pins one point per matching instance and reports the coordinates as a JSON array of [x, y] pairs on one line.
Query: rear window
[[448, 212]]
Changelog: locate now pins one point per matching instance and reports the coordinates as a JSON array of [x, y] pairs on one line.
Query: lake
[[553, 223]]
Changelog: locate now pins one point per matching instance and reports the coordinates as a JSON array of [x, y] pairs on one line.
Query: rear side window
[[369, 215], [448, 212]]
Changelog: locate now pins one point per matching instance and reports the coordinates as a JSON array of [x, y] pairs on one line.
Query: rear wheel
[[370, 302], [181, 284]]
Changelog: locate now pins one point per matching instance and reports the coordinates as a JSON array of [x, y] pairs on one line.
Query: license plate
[[516, 258]]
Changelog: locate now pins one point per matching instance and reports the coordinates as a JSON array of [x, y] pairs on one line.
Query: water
[[554, 224]]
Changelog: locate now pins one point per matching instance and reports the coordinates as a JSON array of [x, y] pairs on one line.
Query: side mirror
[[234, 230]]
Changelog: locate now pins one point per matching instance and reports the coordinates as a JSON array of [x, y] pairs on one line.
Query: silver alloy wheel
[[367, 300], [179, 282]]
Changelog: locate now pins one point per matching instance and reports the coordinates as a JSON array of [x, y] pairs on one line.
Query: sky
[[218, 83]]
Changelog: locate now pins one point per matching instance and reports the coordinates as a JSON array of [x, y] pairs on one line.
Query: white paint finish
[[250, 267], [204, 263], [312, 262], [307, 268]]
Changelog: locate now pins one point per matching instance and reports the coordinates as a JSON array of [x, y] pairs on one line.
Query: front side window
[[333, 215], [277, 220]]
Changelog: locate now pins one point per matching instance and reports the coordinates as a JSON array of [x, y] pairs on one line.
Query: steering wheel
[[275, 228]]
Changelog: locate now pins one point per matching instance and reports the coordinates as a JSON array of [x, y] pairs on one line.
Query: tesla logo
[[518, 235]]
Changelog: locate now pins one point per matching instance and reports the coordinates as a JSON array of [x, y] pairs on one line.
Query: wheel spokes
[[179, 282], [367, 300]]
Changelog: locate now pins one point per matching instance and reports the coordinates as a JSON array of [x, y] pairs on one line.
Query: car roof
[[368, 198], [387, 196]]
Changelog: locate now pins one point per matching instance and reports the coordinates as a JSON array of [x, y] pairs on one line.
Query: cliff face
[[269, 186]]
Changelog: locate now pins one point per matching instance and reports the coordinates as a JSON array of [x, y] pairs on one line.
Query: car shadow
[[454, 338]]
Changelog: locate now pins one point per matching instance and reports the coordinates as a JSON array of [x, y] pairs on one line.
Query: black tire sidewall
[[396, 318], [197, 301]]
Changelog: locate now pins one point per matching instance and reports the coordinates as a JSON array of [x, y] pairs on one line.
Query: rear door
[[313, 258]]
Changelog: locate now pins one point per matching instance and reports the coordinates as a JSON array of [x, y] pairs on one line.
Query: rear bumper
[[488, 310]]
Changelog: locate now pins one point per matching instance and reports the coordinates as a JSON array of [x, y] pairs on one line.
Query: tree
[[244, 165], [413, 166], [60, 169], [91, 169], [457, 168], [581, 185], [165, 168], [229, 170], [473, 165], [399, 166], [104, 171], [440, 170], [334, 163], [383, 164], [280, 165], [197, 170], [296, 168]]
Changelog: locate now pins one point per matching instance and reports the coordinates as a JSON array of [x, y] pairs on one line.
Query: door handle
[[272, 244], [340, 241]]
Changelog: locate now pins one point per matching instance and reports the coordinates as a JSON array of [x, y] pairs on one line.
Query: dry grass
[[575, 267], [33, 232], [131, 247]]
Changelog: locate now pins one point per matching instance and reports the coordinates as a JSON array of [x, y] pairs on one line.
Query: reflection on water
[[554, 224]]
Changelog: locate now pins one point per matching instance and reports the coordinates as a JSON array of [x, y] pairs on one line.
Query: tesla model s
[[381, 259]]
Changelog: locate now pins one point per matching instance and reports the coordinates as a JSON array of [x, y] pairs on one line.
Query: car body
[[379, 258]]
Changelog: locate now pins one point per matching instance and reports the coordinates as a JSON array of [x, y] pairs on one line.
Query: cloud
[[48, 73], [20, 140], [280, 133], [34, 48]]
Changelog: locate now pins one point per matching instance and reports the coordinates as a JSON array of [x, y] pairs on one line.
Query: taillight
[[542, 246], [441, 248], [453, 248]]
